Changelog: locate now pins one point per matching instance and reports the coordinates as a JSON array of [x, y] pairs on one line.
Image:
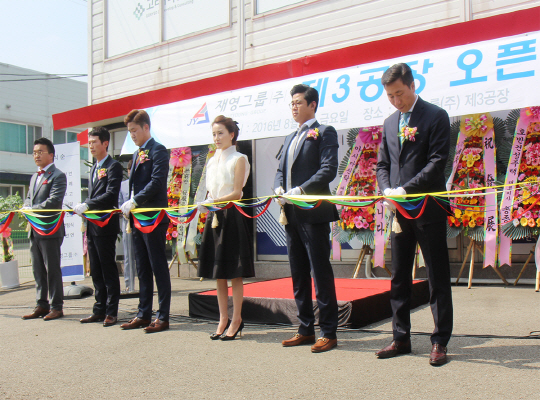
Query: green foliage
[[10, 203]]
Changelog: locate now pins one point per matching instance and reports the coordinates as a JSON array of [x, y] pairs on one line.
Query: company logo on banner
[[487, 76], [68, 160], [200, 116]]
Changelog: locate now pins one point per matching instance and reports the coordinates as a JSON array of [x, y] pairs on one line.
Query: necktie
[[403, 121], [290, 155], [39, 173]]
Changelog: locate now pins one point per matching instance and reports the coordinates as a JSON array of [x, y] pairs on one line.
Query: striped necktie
[[403, 122]]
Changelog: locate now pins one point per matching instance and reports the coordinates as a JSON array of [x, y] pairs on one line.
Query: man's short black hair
[[310, 94], [398, 71], [46, 142], [102, 133]]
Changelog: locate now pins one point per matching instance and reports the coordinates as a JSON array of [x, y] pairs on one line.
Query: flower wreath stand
[[365, 223], [474, 201], [520, 206]]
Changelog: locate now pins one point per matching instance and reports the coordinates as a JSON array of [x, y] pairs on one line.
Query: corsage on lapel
[[312, 134], [143, 156], [101, 173], [408, 134]]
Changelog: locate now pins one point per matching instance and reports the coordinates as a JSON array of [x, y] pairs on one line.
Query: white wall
[[309, 27]]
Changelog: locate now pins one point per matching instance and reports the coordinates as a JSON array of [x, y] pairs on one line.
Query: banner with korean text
[[68, 160], [487, 76]]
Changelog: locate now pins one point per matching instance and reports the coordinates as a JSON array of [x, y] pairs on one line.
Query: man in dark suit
[[148, 188], [103, 189], [410, 166], [308, 164], [46, 191]]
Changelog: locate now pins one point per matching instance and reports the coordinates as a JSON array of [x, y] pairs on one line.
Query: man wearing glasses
[[308, 164], [46, 191]]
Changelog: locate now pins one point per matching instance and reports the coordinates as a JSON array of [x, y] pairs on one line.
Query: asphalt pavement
[[492, 354]]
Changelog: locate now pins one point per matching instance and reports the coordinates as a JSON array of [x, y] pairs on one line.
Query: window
[[18, 138], [134, 24], [6, 191], [61, 137], [32, 133], [12, 137]]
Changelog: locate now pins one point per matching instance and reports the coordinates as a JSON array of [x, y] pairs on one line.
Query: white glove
[[279, 192], [80, 208], [201, 205], [293, 192], [127, 207], [387, 193], [399, 192]]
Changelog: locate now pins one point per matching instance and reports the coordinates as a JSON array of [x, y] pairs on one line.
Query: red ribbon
[[5, 225], [101, 224], [403, 212], [58, 224], [258, 215], [149, 228]]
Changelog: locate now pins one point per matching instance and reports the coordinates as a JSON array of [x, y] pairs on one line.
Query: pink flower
[[6, 233], [174, 234]]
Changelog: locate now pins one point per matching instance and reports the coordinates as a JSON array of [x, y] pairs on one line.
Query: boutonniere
[[143, 156], [408, 133], [312, 134], [101, 173]]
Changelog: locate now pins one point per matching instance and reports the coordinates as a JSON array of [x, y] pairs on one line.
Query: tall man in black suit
[[148, 188], [103, 189], [411, 167], [308, 164], [46, 191]]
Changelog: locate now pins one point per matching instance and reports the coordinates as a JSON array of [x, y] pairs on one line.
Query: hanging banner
[[478, 77], [474, 167], [68, 160], [520, 204]]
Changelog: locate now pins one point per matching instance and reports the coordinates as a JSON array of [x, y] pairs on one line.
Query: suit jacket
[[148, 179], [48, 195], [417, 166], [314, 167], [103, 195]]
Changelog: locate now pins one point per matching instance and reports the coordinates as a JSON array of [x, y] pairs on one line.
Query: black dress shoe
[[395, 348], [92, 318]]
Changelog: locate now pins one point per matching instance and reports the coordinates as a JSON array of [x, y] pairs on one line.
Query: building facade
[[28, 99]]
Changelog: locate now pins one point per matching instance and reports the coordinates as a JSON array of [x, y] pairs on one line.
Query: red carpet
[[360, 301], [346, 289]]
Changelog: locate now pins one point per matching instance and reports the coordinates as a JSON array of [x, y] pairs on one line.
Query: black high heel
[[216, 336], [240, 328]]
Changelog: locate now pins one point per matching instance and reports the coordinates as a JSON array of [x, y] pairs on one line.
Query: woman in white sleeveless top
[[226, 248]]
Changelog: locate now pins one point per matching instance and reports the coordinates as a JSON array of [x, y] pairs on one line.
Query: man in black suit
[[148, 188], [308, 164], [103, 189], [46, 191], [408, 166]]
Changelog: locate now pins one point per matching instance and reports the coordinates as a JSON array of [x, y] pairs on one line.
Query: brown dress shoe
[[298, 339], [438, 355], [37, 313], [157, 326], [110, 320], [54, 314], [395, 348], [92, 318], [323, 344], [135, 323]]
